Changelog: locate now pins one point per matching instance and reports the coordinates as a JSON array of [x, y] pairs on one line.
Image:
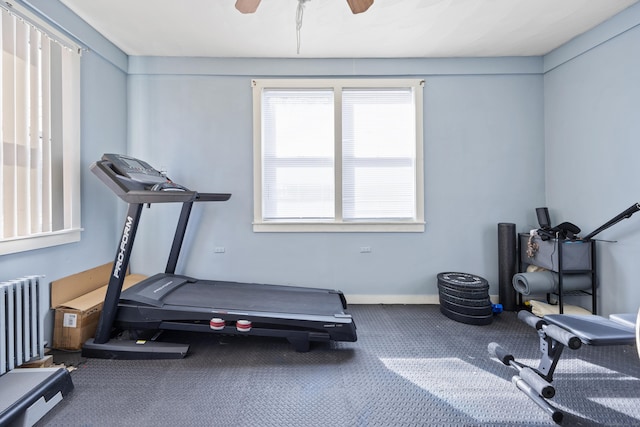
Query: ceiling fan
[[250, 6]]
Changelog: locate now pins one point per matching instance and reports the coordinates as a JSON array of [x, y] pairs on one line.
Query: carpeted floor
[[411, 366]]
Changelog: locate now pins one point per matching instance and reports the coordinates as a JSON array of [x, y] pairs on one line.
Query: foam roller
[[506, 265]]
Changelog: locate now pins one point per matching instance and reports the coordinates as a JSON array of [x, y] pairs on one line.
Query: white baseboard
[[399, 299]]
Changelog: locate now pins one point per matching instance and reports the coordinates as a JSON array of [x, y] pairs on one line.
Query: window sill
[[22, 244], [335, 227]]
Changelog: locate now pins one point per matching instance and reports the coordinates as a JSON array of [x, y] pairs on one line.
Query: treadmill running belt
[[256, 297]]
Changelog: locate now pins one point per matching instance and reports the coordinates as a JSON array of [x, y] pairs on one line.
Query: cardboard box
[[77, 300]]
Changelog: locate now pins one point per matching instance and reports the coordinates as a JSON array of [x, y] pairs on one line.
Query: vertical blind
[[40, 101]]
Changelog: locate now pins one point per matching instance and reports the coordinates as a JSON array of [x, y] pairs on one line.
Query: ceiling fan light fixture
[[247, 6], [359, 6]]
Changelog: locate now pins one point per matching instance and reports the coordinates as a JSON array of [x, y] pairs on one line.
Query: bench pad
[[594, 330]]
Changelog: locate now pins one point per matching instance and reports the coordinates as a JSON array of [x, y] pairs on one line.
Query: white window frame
[[337, 225], [59, 191]]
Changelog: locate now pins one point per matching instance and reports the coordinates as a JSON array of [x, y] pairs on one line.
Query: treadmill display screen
[[134, 169], [133, 163]]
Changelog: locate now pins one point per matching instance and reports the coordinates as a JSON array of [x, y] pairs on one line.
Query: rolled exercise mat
[[546, 282], [506, 265]]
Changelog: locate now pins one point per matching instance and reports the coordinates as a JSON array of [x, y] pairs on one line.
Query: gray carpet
[[411, 366]]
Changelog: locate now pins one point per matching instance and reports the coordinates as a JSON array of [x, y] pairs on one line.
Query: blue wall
[[483, 156], [592, 147]]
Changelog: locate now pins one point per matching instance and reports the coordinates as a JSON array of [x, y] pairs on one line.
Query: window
[[338, 155], [40, 134]]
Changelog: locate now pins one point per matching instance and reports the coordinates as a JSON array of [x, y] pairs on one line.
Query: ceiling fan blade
[[359, 6], [247, 6]]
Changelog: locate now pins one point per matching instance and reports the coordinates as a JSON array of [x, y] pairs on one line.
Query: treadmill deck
[[175, 290], [168, 301]]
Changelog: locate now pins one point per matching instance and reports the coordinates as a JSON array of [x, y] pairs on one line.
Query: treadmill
[[169, 301]]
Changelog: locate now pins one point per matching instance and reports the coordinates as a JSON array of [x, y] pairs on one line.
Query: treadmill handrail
[[135, 193], [212, 197]]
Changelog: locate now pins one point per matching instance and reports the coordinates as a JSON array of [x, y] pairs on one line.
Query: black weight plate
[[462, 281], [467, 302], [470, 320], [465, 309], [464, 293]]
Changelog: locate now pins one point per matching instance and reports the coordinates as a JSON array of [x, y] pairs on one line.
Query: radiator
[[21, 322]]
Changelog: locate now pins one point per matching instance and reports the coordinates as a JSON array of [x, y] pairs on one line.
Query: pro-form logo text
[[123, 245]]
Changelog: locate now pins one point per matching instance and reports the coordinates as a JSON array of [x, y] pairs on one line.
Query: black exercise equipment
[[565, 230], [616, 219], [168, 301], [465, 298], [507, 262], [26, 395], [557, 331], [543, 218]]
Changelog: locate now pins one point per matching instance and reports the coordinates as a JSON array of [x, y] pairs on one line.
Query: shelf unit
[[563, 257]]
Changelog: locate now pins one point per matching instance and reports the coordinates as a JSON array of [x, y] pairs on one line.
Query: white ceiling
[[389, 29]]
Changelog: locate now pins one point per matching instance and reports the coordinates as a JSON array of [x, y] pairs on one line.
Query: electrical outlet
[[365, 249], [218, 250]]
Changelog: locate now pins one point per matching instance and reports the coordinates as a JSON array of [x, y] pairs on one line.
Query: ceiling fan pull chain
[[299, 14]]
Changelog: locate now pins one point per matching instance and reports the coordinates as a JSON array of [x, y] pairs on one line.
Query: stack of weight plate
[[465, 298]]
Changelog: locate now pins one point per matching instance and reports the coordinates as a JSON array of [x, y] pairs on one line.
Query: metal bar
[[178, 238], [116, 280], [522, 385]]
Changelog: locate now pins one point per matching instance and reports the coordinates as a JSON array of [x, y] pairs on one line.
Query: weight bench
[[557, 331]]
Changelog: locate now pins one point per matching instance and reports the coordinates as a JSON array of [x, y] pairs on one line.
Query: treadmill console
[[135, 169], [135, 181]]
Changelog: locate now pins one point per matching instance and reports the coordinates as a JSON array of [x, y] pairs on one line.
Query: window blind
[[298, 154], [39, 118], [378, 150]]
